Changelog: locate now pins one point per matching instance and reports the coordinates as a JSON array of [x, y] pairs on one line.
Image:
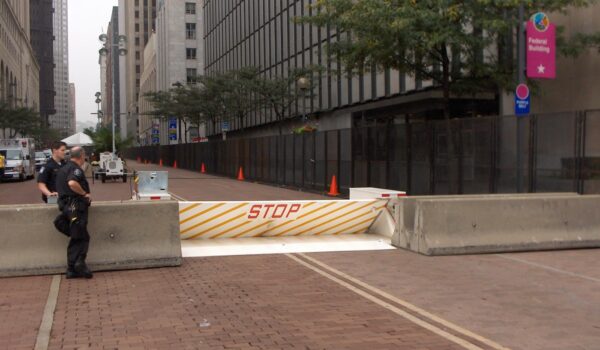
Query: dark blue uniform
[[74, 213], [48, 174]]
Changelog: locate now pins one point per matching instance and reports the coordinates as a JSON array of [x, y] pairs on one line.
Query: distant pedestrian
[[47, 175], [74, 201]]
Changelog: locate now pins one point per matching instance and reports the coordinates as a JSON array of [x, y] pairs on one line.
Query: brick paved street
[[544, 300], [259, 302], [554, 304], [192, 185], [187, 184], [273, 302]]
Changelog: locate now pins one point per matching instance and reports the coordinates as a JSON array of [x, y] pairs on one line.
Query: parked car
[[40, 160]]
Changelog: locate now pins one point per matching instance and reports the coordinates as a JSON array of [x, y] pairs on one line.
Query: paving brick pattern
[[247, 302], [22, 302], [192, 185], [515, 304]]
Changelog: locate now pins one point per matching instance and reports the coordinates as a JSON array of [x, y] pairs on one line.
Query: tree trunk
[[450, 142], [185, 131], [179, 130]]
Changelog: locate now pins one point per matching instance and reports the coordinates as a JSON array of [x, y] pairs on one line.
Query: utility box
[[374, 193], [152, 185]]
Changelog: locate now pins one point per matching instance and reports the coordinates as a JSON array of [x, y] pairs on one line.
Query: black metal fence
[[559, 152]]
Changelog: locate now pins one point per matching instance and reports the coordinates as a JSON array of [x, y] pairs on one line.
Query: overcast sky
[[87, 20]]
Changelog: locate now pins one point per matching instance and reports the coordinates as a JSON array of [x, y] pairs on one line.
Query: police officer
[[73, 201], [47, 176]]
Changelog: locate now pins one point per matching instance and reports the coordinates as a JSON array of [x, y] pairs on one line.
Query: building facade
[[112, 94], [138, 24], [180, 51], [42, 39], [264, 34], [72, 109], [60, 120], [19, 70], [574, 87], [148, 123]]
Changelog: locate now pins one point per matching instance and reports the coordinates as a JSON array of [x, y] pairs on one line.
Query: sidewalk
[[244, 302], [194, 186]]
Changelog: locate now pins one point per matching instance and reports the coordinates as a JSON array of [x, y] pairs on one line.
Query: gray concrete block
[[447, 225], [124, 235]]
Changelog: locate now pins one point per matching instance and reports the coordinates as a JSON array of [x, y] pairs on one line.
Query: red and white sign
[[274, 211], [522, 91], [541, 47], [199, 139]]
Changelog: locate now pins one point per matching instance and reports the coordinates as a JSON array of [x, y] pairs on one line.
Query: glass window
[[191, 75], [190, 8], [190, 31], [190, 54], [12, 154]]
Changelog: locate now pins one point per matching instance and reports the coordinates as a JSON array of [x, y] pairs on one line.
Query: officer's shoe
[[71, 273], [82, 270]]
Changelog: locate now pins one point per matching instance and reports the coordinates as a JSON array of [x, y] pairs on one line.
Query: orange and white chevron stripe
[[209, 220]]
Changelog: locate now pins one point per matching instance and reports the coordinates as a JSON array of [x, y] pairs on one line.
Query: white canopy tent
[[79, 139]]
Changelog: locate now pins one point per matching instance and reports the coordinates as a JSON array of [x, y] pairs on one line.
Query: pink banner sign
[[541, 47]]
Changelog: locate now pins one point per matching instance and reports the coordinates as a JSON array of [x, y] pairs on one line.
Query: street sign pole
[[521, 79]]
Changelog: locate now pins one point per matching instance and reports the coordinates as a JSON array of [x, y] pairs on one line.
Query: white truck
[[20, 158], [110, 167]]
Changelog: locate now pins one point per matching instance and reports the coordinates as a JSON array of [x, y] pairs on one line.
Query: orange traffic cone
[[160, 164], [175, 164], [333, 189], [241, 175], [203, 169]]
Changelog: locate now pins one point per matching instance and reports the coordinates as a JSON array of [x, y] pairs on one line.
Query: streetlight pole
[[114, 45], [521, 79], [98, 101], [303, 85]]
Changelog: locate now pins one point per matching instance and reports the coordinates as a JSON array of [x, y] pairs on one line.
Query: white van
[[20, 158]]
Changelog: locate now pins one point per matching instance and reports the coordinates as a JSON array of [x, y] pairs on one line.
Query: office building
[[61, 120], [179, 53], [42, 39], [72, 109], [137, 21], [148, 124], [19, 70]]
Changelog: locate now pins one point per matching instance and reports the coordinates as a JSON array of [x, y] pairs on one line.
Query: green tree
[[280, 94], [239, 95], [102, 139], [45, 136], [19, 121], [188, 103], [459, 45]]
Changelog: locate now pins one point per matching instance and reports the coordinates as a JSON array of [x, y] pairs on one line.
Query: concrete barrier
[[446, 225], [124, 235]]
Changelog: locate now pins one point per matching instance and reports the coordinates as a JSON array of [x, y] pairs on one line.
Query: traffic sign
[[522, 100], [225, 126], [173, 129]]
